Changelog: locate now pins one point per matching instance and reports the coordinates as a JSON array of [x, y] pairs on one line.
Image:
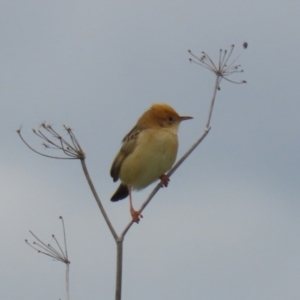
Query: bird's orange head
[[161, 115]]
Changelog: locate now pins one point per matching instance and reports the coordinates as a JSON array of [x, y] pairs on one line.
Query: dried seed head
[[224, 68]]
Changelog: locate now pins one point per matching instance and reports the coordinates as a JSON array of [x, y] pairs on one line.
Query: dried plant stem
[[68, 281], [106, 218], [119, 268], [217, 84]]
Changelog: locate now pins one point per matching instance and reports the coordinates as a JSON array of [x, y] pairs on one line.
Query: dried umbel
[[53, 140], [224, 68]]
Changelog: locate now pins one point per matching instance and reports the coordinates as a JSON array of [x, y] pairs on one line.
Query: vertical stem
[[119, 243], [218, 79], [67, 281]]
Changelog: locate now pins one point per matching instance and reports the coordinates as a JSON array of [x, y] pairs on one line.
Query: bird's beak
[[185, 118]]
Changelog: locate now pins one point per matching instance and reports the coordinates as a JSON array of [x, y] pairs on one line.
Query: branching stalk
[[73, 150]]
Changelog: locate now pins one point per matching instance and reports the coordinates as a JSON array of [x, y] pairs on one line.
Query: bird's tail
[[121, 193]]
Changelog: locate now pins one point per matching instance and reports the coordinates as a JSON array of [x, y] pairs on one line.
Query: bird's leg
[[164, 180], [136, 215]]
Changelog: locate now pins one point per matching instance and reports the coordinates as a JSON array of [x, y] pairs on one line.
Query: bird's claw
[[164, 180], [136, 215]]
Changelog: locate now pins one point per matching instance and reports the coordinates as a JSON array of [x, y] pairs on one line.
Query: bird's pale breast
[[154, 155]]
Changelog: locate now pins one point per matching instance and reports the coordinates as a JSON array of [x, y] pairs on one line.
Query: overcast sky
[[228, 225]]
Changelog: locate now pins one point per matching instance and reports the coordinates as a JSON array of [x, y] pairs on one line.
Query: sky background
[[228, 225]]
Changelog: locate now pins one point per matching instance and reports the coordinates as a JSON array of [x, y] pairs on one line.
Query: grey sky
[[227, 227]]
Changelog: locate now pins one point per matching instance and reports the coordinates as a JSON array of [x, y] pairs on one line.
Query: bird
[[148, 151]]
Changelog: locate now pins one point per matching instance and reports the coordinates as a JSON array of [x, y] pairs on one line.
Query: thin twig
[[65, 236], [217, 84], [101, 207], [68, 281]]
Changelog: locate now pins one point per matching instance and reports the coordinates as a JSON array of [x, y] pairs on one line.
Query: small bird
[[149, 150]]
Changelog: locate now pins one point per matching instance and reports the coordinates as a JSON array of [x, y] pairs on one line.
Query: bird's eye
[[171, 119]]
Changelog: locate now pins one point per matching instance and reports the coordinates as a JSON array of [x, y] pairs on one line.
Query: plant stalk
[[119, 243]]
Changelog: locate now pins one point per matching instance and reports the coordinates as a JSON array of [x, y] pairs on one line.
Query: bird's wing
[[129, 144]]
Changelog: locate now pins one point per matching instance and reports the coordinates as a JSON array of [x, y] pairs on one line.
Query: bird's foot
[[136, 215], [164, 180]]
